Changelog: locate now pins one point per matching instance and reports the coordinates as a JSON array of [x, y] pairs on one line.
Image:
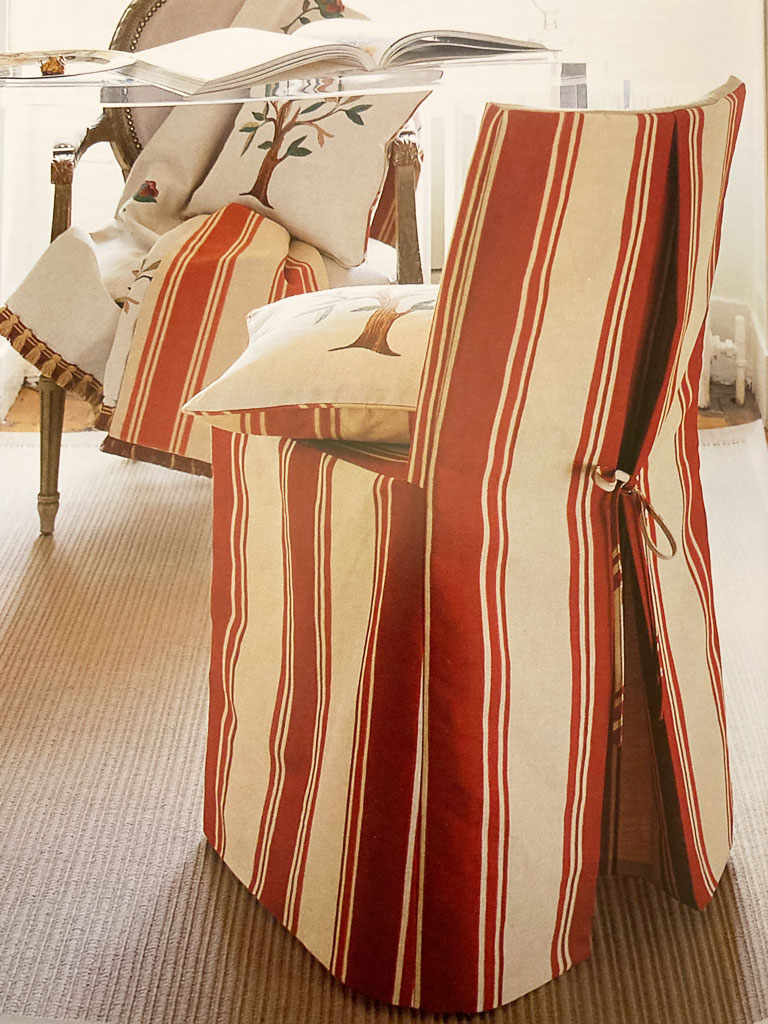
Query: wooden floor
[[24, 414], [79, 415], [724, 411]]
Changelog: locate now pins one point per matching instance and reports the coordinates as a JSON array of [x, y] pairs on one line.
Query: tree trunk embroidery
[[375, 334], [263, 178], [284, 118]]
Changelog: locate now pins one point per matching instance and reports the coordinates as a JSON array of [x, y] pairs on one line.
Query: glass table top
[[21, 82]]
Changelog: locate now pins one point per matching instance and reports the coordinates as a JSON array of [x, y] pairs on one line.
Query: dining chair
[[147, 23], [455, 679]]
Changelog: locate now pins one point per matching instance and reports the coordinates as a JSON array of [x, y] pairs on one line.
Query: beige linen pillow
[[314, 165], [343, 364]]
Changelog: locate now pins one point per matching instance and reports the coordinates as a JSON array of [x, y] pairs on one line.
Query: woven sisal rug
[[112, 907]]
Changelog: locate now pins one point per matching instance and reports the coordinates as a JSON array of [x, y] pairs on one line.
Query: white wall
[[82, 24], [31, 130], [677, 51], [509, 17]]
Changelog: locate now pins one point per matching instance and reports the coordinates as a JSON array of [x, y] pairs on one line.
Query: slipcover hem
[[50, 364], [169, 460]]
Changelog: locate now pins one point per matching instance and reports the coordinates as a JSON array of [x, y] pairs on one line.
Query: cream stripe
[[694, 118], [538, 243], [238, 597], [598, 430], [382, 558], [675, 709], [287, 701], [223, 667], [690, 542]]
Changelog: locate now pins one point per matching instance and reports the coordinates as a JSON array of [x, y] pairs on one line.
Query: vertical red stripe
[[387, 786]]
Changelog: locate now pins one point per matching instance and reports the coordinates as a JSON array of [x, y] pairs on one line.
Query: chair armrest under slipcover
[[65, 157], [404, 158]]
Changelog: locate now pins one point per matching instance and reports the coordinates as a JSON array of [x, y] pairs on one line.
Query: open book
[[231, 58]]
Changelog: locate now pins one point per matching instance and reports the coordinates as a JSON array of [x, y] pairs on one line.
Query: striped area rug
[[112, 907]]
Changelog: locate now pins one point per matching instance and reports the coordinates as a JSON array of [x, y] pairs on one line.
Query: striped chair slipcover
[[451, 685]]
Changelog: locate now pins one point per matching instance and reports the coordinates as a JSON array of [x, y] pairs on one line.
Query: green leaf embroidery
[[354, 116], [325, 313], [257, 116], [427, 304], [296, 148], [313, 106], [266, 145], [250, 130]]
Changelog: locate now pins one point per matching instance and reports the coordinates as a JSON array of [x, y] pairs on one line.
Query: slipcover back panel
[[450, 686]]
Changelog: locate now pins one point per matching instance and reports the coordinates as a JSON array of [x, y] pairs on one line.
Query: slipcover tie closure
[[617, 481]]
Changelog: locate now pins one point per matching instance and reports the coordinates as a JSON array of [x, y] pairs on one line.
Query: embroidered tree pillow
[[343, 364], [314, 165]]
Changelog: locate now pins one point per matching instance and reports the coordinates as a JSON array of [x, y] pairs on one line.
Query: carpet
[[112, 906]]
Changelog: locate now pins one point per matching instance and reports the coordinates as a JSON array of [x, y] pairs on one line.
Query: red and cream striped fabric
[[448, 687], [194, 316]]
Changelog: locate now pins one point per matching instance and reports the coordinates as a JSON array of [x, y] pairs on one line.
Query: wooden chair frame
[[116, 127]]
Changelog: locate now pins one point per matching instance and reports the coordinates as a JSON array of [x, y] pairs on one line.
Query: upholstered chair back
[[585, 240], [145, 24], [557, 401]]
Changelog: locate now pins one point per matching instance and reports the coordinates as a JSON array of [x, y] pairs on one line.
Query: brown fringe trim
[[48, 362], [114, 446], [104, 417]]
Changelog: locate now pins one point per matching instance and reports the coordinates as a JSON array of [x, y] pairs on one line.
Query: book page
[[372, 37], [417, 41], [224, 52]]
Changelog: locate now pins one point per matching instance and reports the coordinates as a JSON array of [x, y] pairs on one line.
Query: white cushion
[[344, 364]]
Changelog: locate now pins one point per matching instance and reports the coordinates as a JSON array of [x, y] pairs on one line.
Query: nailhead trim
[[133, 44]]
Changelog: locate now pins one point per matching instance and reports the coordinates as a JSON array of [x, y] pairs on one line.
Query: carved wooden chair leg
[[51, 423], [405, 156]]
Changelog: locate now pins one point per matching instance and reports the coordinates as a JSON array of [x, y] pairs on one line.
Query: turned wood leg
[[51, 423]]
